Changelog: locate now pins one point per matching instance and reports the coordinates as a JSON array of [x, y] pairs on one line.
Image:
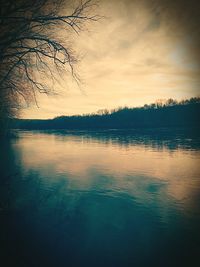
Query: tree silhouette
[[171, 114], [30, 49]]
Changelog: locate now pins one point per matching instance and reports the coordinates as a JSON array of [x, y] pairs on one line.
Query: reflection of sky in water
[[102, 199], [114, 165]]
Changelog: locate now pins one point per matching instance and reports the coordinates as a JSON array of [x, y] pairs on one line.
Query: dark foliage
[[170, 114]]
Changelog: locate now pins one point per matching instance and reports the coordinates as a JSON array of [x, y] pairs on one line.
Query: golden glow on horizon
[[135, 56]]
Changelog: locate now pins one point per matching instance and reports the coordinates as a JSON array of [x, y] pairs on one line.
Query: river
[[108, 198]]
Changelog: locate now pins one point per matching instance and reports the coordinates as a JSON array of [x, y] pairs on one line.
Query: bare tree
[[30, 49]]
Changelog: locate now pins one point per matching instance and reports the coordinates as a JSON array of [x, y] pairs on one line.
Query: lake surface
[[108, 199]]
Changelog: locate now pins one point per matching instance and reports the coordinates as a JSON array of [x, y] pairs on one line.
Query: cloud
[[142, 51]]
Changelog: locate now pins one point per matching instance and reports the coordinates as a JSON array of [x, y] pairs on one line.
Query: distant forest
[[169, 113]]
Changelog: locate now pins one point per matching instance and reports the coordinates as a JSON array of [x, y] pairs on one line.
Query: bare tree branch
[[28, 48]]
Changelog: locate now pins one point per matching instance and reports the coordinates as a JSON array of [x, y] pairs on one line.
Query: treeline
[[169, 113]]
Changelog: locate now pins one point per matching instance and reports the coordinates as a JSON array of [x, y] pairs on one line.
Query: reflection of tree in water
[[51, 215], [8, 170], [155, 138]]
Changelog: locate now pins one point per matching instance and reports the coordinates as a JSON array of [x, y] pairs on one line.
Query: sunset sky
[[140, 52]]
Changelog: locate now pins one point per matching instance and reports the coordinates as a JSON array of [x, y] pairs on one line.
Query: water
[[100, 199]]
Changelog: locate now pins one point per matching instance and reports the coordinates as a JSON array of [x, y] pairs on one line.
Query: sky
[[139, 52]]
